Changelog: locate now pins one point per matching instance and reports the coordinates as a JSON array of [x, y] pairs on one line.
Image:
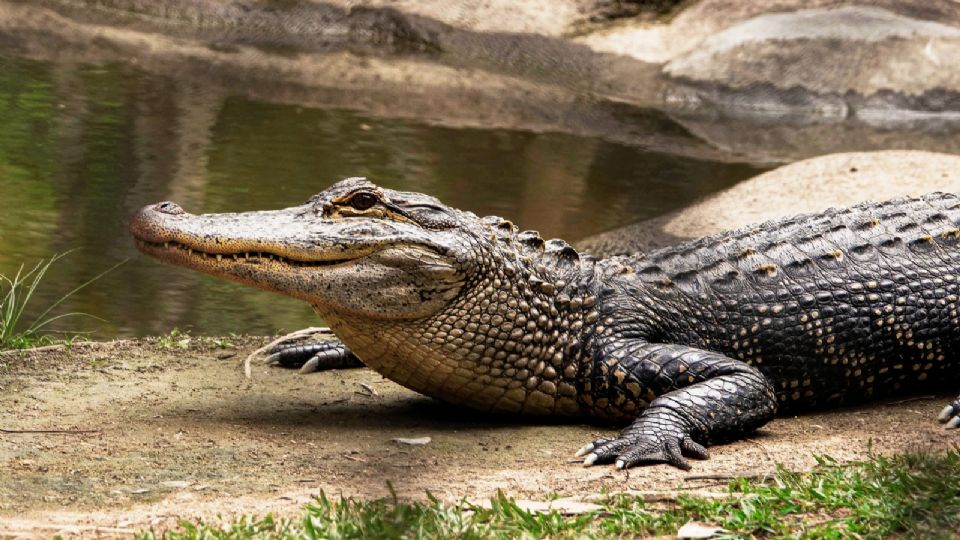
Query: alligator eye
[[363, 200]]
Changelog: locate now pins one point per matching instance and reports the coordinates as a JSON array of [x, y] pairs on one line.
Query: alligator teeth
[[219, 257], [189, 251], [166, 244]]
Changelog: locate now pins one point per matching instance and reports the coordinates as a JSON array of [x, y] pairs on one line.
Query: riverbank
[[699, 79]]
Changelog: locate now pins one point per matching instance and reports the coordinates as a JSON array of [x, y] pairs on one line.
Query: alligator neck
[[514, 342]]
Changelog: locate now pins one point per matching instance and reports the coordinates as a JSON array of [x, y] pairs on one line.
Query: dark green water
[[83, 146]]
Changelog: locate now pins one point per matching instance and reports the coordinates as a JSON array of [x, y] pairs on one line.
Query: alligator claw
[[646, 441], [588, 448], [951, 415], [946, 413], [311, 365]]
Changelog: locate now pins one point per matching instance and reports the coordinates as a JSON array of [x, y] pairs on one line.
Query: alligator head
[[354, 249], [454, 306]]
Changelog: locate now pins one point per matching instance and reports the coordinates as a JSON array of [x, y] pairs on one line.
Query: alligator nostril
[[169, 208]]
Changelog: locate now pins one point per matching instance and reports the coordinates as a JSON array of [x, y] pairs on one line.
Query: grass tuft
[[181, 339], [16, 293], [906, 496]]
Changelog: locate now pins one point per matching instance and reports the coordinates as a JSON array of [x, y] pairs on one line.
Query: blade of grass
[[33, 329], [18, 305], [21, 289], [34, 277], [10, 307], [39, 321]]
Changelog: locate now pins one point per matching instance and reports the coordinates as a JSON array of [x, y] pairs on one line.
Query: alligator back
[[832, 307]]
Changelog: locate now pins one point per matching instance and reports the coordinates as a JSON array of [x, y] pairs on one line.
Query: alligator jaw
[[186, 254], [357, 265], [278, 250]]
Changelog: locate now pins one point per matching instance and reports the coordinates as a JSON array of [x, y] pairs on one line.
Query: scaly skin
[[694, 344]]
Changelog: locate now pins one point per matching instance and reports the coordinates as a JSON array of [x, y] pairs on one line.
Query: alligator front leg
[[293, 351], [702, 397], [310, 357], [951, 414]]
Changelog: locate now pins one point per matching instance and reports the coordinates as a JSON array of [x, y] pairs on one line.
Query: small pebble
[[419, 441]]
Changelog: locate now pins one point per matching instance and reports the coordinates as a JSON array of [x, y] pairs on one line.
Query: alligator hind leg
[[294, 351], [702, 397], [951, 414]]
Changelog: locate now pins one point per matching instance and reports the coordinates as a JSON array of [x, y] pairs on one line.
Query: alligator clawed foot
[[295, 351], [951, 415], [644, 443]]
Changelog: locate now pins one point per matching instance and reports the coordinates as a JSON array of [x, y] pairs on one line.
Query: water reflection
[[83, 146]]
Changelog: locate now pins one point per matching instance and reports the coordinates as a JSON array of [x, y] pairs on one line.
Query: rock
[[176, 484], [418, 441], [810, 185], [693, 529], [489, 15], [837, 60]]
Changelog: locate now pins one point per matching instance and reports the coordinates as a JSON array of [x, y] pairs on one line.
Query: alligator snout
[[147, 224]]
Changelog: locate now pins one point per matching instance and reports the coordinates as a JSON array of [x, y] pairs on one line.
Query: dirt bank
[[155, 432]]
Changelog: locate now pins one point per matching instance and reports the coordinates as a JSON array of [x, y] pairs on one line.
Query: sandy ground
[[152, 433]]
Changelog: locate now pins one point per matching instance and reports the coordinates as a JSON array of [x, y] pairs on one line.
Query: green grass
[[906, 496], [181, 339], [16, 293]]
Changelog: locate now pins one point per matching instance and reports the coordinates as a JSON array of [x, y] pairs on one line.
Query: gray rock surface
[[810, 185], [842, 60]]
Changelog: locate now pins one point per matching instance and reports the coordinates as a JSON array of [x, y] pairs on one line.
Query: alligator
[[687, 346]]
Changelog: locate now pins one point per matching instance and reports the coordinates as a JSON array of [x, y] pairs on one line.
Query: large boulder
[[847, 60], [836, 58], [806, 186]]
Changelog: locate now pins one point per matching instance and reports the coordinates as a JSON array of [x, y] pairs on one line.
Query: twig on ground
[[910, 399], [695, 477], [60, 346], [56, 431], [69, 529], [655, 495], [370, 391]]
